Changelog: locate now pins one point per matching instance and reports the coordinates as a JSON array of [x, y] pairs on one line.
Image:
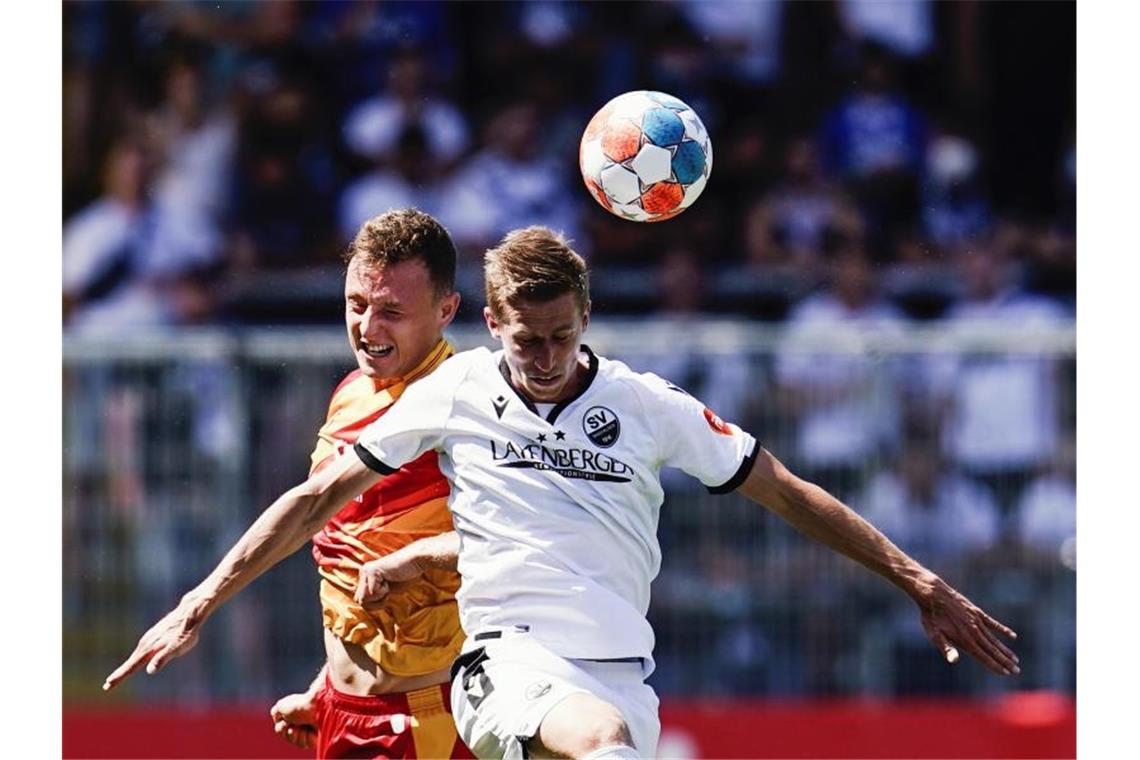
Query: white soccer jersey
[[557, 515]]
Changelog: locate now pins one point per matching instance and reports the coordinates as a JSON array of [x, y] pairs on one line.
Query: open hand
[[951, 621], [295, 719], [172, 636]]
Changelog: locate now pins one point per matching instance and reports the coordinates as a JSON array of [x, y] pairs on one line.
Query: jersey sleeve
[[415, 423], [695, 440]]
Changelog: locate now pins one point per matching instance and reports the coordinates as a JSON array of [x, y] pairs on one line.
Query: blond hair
[[533, 264]]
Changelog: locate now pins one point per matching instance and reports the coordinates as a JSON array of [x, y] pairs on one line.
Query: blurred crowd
[[877, 163], [210, 145]]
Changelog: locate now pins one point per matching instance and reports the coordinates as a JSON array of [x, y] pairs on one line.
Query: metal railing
[[174, 442]]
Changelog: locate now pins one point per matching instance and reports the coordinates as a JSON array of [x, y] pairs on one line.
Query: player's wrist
[[197, 605], [921, 585], [411, 560]]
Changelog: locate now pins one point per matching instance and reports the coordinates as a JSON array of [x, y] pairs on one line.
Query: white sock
[[613, 752]]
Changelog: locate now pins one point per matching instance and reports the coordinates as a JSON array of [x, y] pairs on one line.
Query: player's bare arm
[[282, 528], [949, 618], [440, 552], [294, 716]]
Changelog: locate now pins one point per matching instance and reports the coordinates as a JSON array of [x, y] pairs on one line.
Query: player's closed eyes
[[528, 342]]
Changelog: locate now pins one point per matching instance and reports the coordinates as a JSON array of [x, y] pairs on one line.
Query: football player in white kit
[[554, 456]]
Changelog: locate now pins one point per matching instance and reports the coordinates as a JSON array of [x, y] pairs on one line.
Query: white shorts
[[502, 689]]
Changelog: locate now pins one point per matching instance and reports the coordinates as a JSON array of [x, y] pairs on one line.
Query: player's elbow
[[313, 502], [772, 484]]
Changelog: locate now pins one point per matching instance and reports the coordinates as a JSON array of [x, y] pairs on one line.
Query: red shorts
[[415, 724]]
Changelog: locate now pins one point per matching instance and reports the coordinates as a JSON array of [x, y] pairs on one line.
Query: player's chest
[[589, 441]]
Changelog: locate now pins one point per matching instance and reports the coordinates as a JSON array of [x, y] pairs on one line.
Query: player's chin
[[377, 366], [545, 391]]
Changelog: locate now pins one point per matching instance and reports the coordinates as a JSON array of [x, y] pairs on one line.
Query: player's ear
[[586, 316], [448, 307], [492, 322]]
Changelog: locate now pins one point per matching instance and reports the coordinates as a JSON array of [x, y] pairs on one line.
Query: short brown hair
[[533, 264], [403, 234]]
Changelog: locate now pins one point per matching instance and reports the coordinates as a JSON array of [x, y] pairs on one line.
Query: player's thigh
[[624, 687], [502, 692], [640, 706], [578, 725]]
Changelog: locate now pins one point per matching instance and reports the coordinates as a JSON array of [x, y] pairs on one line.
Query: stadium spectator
[[194, 144], [407, 177], [875, 140], [745, 37], [954, 208], [1003, 421], [1045, 529], [125, 268], [1051, 264], [358, 41], [843, 398], [1046, 513], [284, 192], [373, 126], [934, 512], [928, 509], [101, 287], [803, 216], [527, 185], [906, 27], [723, 381]]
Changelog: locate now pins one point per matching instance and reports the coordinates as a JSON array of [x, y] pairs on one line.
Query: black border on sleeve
[[741, 473], [373, 463]]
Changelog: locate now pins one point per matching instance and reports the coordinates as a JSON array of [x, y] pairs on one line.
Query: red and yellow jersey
[[415, 629]]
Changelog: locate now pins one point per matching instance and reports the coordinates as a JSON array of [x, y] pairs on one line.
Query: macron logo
[[500, 405]]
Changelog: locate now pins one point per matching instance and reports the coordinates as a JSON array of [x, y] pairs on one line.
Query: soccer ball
[[645, 156]]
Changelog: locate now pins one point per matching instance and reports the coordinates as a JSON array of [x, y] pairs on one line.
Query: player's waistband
[[415, 702], [492, 634]]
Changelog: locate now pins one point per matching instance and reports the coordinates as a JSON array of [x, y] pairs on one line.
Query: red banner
[[1024, 725]]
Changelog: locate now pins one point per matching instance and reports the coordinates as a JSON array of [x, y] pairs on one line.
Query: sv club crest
[[601, 426]]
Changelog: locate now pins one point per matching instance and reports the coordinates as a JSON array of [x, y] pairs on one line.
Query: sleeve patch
[[716, 423]]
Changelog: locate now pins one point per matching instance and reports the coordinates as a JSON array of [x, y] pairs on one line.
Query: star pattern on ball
[[645, 156]]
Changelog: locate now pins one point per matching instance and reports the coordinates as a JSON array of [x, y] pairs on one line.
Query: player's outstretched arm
[[281, 529], [406, 564], [950, 619]]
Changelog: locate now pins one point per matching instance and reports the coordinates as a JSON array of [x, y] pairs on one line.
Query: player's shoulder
[[618, 374], [460, 366], [465, 361], [353, 384]]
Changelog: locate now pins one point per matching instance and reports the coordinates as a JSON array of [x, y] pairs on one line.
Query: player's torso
[[558, 505], [384, 517], [415, 631]]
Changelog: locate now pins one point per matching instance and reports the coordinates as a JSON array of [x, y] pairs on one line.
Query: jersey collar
[[591, 373], [440, 351]]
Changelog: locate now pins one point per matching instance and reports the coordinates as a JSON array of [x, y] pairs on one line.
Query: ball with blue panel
[[645, 156]]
